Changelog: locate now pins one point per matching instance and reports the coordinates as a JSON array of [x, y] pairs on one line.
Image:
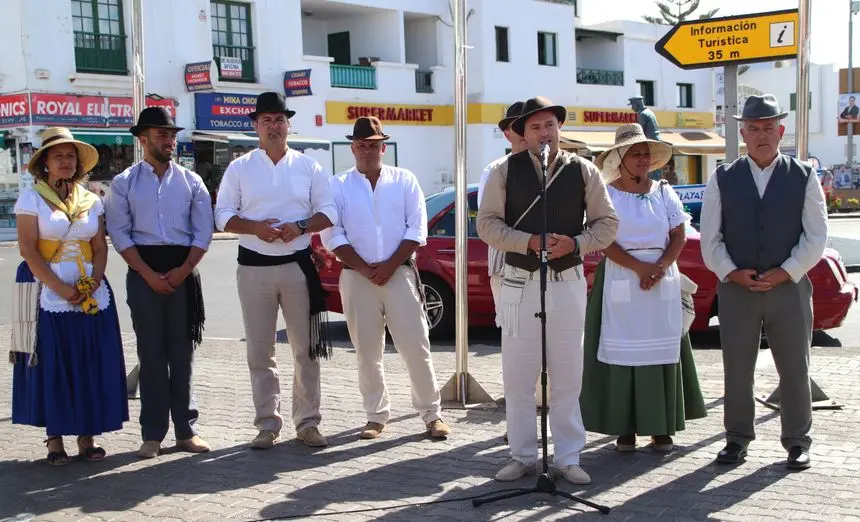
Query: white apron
[[641, 327]]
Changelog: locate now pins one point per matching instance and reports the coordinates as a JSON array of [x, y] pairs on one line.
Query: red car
[[832, 296]]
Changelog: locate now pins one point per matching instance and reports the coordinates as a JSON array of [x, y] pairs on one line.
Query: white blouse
[[54, 225]]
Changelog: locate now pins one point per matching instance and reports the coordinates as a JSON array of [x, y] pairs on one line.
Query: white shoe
[[514, 470], [574, 474]]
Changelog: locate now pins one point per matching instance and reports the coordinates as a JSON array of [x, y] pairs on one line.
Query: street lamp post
[[854, 8]]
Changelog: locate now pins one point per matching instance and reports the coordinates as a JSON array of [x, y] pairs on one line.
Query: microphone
[[544, 156]]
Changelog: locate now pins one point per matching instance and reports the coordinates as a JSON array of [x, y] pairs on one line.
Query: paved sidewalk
[[235, 483]]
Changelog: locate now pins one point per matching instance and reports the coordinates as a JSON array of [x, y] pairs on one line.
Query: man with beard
[[580, 220], [275, 197], [159, 217]]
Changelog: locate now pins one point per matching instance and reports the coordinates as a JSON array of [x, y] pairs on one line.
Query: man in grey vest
[[772, 231], [509, 220]]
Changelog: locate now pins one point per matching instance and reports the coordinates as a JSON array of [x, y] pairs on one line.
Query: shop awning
[[97, 138], [692, 143], [697, 142], [593, 141], [296, 141]]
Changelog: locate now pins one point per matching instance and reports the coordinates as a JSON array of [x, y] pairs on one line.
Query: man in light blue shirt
[[159, 217]]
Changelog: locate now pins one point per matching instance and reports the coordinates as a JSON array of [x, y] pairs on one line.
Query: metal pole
[[462, 204], [801, 130], [138, 101], [461, 390], [850, 76], [730, 108], [138, 91]]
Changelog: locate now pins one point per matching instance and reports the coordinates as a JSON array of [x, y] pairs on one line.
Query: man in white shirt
[[381, 222], [275, 198], [764, 226]]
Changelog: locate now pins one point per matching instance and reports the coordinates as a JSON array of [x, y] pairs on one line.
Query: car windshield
[[437, 202]]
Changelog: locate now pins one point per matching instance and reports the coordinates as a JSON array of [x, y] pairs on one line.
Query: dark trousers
[[166, 355], [786, 313]]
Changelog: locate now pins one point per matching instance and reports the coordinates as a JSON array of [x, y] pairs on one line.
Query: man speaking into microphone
[[580, 219]]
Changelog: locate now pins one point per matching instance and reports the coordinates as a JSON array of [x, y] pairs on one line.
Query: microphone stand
[[545, 480]]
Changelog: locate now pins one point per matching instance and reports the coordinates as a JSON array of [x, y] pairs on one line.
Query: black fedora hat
[[367, 128], [153, 117], [513, 112], [271, 102], [535, 105], [761, 108]]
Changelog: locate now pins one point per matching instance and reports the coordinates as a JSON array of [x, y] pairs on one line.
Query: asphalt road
[[845, 237], [224, 318]]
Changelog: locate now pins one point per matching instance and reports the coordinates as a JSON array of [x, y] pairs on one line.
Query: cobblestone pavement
[[380, 477]]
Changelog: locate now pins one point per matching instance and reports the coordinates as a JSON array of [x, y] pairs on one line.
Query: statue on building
[[647, 118], [648, 121]]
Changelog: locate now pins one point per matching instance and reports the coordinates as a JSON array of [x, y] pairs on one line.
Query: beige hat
[[609, 161], [88, 156]]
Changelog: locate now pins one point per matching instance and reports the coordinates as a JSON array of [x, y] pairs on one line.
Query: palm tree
[[684, 9]]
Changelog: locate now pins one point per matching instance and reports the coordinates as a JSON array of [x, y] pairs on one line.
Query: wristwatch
[[303, 225]]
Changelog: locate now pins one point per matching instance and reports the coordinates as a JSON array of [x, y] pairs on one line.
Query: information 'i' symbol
[[781, 33]]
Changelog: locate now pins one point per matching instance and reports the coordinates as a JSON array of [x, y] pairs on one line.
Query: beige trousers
[[369, 309], [262, 290]]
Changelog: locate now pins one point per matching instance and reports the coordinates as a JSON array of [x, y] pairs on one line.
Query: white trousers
[[368, 309], [496, 288], [521, 363]]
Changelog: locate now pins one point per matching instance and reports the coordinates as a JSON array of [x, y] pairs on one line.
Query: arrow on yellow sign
[[761, 37]]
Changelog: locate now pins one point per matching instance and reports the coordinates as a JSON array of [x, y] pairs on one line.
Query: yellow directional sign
[[760, 37]]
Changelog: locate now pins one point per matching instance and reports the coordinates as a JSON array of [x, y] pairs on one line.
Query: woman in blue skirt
[[69, 373]]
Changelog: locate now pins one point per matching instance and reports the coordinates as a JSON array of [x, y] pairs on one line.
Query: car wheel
[[440, 306]]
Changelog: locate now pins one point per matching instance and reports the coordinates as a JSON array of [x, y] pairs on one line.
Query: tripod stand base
[[545, 484], [132, 381], [820, 400], [462, 392]]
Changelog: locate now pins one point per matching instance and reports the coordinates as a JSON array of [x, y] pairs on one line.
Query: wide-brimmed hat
[[153, 118], [535, 105], [271, 102], [367, 128], [761, 108], [609, 161], [88, 156], [513, 112]]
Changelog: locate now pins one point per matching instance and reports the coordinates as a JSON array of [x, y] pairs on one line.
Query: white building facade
[[68, 62]]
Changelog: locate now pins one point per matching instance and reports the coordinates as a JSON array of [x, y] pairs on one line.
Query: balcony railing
[[100, 53], [245, 54], [424, 81], [599, 77], [353, 76]]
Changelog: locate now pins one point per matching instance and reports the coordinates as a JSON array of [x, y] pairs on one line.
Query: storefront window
[[113, 159], [9, 182]]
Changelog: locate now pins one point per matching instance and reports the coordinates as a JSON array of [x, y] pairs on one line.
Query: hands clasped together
[[755, 282]]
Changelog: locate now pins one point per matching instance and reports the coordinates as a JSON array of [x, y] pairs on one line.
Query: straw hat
[[88, 156], [609, 161]]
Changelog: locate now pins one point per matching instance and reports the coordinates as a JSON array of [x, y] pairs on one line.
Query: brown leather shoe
[[372, 431], [438, 429], [312, 437], [194, 445]]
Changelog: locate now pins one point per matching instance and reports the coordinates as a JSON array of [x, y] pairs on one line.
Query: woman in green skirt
[[639, 377]]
